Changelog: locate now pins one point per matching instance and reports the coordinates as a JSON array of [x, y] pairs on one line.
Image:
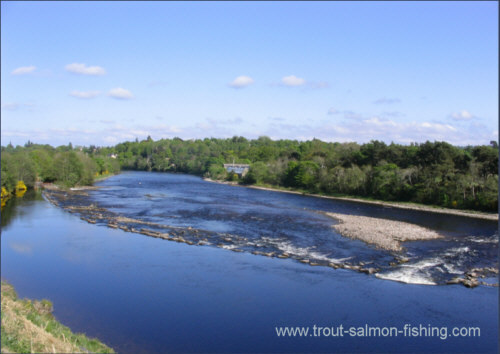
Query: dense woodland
[[434, 173], [64, 165]]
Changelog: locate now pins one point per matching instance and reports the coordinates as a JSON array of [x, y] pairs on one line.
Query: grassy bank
[[28, 326]]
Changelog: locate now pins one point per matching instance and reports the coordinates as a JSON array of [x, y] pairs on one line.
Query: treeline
[[63, 165], [434, 173]]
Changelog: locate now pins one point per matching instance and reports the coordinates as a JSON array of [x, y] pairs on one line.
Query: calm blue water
[[141, 294]]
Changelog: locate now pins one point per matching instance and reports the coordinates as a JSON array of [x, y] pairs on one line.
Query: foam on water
[[477, 239], [413, 273], [406, 275], [306, 252]]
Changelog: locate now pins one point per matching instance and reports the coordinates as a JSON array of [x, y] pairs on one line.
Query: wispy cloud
[[12, 106], [82, 69], [318, 85], [85, 94], [394, 114], [366, 129], [23, 248], [241, 81], [385, 100], [23, 70], [234, 121], [352, 115], [464, 115], [120, 93], [347, 114], [361, 131], [292, 81]]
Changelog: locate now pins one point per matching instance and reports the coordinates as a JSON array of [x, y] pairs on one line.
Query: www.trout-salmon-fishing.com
[[407, 330]]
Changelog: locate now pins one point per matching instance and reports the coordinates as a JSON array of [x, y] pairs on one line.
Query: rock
[[334, 265], [489, 284], [471, 274], [283, 255], [470, 283], [402, 260], [368, 270], [455, 280], [492, 270], [306, 261]]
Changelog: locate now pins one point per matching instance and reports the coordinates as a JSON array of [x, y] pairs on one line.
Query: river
[[144, 294]]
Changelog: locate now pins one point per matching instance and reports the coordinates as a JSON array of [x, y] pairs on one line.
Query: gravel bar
[[383, 233]]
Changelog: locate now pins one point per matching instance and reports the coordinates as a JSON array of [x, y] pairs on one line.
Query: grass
[[28, 326]]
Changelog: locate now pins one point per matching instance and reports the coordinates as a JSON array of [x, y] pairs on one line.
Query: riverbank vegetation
[[66, 166], [433, 173], [29, 327]]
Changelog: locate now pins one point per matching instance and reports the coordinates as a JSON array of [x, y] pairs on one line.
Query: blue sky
[[106, 72]]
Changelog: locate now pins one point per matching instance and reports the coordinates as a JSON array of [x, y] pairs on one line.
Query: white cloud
[[24, 70], [85, 94], [361, 131], [292, 80], [464, 115], [333, 111], [120, 93], [375, 121], [376, 128], [82, 69], [241, 81]]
